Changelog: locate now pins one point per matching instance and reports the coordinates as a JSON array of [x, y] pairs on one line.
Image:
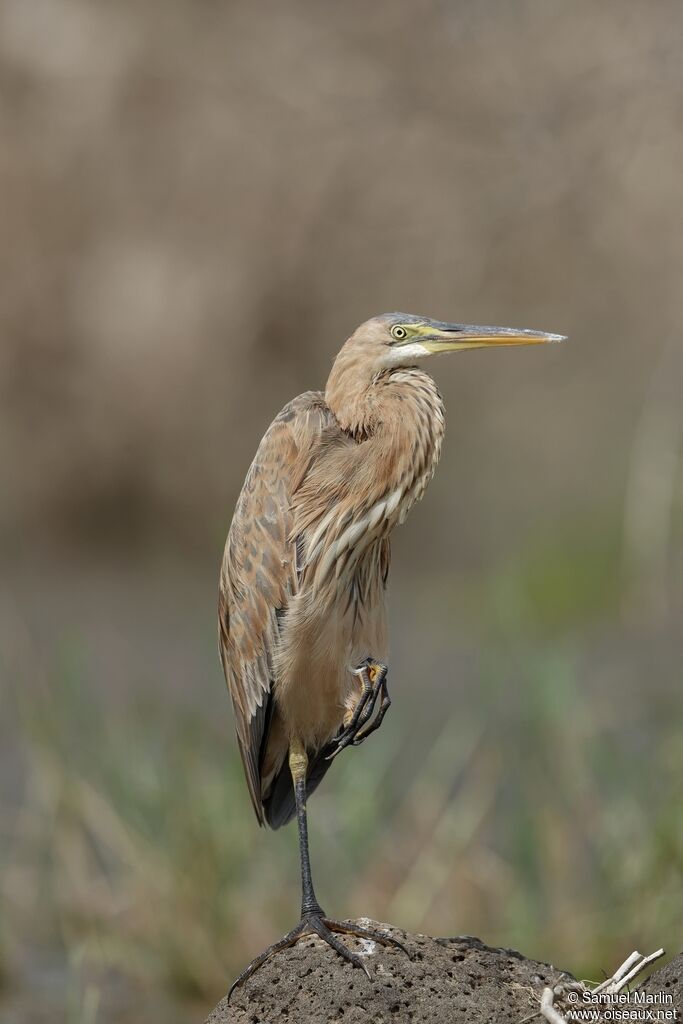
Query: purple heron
[[302, 622]]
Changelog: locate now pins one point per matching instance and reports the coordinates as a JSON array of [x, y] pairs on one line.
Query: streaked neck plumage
[[351, 392], [401, 409], [350, 501]]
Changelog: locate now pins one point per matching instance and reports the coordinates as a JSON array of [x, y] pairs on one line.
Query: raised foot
[[324, 927], [374, 696]]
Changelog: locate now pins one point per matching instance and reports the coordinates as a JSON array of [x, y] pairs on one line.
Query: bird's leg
[[313, 919], [298, 766], [373, 682]]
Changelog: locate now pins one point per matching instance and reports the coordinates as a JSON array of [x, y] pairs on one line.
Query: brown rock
[[447, 981], [668, 981]]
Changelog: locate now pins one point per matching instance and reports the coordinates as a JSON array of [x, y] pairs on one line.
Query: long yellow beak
[[451, 337]]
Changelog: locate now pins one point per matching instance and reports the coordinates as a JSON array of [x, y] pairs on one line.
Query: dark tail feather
[[279, 807]]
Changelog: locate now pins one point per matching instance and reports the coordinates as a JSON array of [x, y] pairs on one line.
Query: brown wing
[[258, 574]]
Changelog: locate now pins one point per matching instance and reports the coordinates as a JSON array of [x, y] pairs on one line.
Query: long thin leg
[[313, 919], [298, 766]]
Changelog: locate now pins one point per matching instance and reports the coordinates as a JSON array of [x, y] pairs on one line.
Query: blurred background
[[199, 202]]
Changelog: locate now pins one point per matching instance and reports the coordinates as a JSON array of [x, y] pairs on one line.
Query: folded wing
[[259, 575]]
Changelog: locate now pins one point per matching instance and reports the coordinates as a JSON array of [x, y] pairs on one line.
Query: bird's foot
[[316, 923], [373, 682]]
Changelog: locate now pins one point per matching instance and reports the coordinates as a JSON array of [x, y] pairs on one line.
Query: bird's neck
[[351, 395], [399, 414], [365, 403]]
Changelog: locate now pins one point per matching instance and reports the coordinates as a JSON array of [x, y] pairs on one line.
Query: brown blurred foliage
[[200, 201]]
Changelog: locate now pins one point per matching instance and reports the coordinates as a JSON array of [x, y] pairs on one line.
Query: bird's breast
[[357, 493]]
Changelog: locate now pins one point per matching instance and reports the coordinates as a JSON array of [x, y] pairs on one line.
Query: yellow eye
[[399, 332]]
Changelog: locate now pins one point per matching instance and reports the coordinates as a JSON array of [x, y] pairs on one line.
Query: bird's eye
[[399, 333]]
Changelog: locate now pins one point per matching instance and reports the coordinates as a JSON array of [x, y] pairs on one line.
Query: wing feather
[[259, 574]]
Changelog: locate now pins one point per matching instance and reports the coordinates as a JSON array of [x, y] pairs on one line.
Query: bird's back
[[258, 580]]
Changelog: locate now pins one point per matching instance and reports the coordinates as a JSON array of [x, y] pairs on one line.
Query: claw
[[372, 726], [351, 928], [373, 687], [324, 927], [288, 940]]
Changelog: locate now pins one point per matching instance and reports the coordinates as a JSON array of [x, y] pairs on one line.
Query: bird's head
[[401, 339]]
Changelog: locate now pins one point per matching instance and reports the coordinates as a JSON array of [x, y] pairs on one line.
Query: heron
[[302, 617]]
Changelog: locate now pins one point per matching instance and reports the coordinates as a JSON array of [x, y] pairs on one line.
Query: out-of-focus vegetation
[[199, 202], [526, 789]]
